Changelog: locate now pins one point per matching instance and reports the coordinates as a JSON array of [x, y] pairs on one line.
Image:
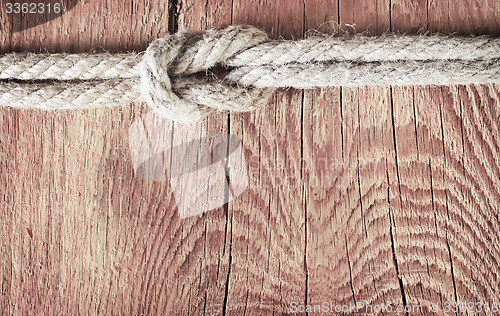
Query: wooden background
[[409, 213]]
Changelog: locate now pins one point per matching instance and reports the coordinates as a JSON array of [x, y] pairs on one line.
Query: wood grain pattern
[[377, 195]]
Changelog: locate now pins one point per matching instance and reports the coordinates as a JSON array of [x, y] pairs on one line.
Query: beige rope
[[255, 66], [68, 66], [348, 74], [65, 95]]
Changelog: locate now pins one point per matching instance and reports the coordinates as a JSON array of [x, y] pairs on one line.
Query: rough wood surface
[[377, 195]]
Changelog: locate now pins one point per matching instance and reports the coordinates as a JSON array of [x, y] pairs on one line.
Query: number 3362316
[[32, 8]]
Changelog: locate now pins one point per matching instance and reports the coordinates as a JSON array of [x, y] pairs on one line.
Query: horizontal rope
[[69, 66], [167, 78], [369, 49], [348, 74], [83, 95]]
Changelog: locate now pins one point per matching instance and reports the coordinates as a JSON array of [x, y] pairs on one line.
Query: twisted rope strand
[[368, 49], [59, 96], [349, 74], [68, 66], [309, 50], [163, 75]]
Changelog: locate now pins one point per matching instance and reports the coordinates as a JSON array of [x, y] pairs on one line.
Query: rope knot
[[168, 84], [172, 83]]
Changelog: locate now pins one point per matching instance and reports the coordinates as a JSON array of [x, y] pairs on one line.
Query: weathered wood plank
[[210, 296], [377, 269], [75, 244], [381, 195], [275, 212]]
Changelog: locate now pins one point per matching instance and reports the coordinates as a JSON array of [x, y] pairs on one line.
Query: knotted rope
[[167, 76]]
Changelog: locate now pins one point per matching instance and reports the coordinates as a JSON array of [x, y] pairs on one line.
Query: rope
[[64, 95], [68, 66], [167, 76]]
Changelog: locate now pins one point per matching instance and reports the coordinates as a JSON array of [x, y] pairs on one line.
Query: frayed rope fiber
[[167, 76]]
